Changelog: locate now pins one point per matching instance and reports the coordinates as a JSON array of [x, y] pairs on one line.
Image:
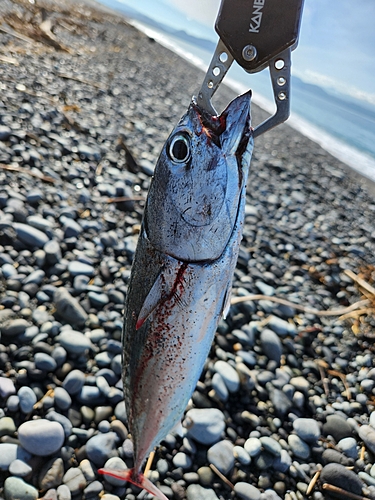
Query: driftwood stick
[[306, 309]]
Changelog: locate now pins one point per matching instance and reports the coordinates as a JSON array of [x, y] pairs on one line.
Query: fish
[[182, 271]]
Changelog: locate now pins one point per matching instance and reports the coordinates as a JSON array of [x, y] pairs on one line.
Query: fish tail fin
[[138, 479]]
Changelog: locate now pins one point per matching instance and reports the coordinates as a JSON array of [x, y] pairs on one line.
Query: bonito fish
[[182, 271]]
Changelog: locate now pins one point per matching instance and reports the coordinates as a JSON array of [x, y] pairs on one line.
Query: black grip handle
[[256, 31]]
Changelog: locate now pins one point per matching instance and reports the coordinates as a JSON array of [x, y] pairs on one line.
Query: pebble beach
[[285, 406]]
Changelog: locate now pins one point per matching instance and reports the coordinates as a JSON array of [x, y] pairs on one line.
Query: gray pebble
[[14, 327], [41, 437], [10, 452], [264, 461], [271, 445], [51, 474], [253, 446], [197, 492], [348, 446], [63, 492], [307, 429], [44, 362], [182, 460], [271, 345], [228, 374], [16, 489], [281, 327], [62, 398], [74, 382], [27, 399], [283, 462], [13, 403], [205, 425], [64, 421], [219, 387], [6, 387], [19, 468], [7, 426], [241, 455], [246, 491], [74, 342], [298, 447], [337, 427], [68, 307], [87, 470], [371, 421], [340, 476], [367, 434], [74, 480], [77, 268], [101, 447], [30, 236], [52, 251], [221, 455]]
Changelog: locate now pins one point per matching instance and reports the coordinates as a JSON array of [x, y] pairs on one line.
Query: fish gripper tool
[[256, 34]]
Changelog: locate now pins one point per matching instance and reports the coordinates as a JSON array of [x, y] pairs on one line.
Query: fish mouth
[[231, 127]]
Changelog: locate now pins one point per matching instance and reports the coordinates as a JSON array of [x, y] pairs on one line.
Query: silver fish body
[[183, 267]]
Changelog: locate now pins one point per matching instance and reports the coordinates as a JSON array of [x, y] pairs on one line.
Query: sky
[[336, 45]]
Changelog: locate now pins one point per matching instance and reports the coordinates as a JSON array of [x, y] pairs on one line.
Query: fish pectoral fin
[[138, 479], [226, 302], [160, 291]]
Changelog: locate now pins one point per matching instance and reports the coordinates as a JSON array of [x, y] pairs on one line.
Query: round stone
[[219, 387], [348, 446], [241, 455], [9, 452], [307, 429], [41, 437], [44, 362], [27, 399], [298, 447], [62, 398], [74, 382], [228, 374], [206, 425], [74, 342], [337, 427], [182, 460], [16, 488], [19, 468], [271, 345], [221, 455], [271, 445], [75, 480], [101, 447], [7, 426], [340, 476], [246, 491], [253, 446]]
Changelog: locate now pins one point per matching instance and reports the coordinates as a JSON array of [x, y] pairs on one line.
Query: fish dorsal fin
[[160, 291]]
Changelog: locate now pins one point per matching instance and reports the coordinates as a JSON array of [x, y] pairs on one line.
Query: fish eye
[[179, 148]]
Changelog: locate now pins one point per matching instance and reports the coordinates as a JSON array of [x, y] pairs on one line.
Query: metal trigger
[[220, 63], [280, 72]]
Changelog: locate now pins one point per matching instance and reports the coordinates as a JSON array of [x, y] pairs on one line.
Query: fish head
[[195, 192]]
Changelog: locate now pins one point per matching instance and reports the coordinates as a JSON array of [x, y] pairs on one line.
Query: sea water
[[344, 129], [343, 126]]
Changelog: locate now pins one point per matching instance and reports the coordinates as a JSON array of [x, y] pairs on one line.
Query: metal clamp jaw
[[256, 34]]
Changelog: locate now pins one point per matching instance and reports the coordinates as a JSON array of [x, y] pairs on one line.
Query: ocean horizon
[[342, 125]]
